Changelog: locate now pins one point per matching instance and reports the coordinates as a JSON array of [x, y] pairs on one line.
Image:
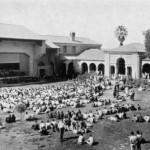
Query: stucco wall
[[31, 49], [79, 48], [131, 60]]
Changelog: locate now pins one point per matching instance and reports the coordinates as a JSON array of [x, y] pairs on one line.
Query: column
[[107, 65], [31, 67], [88, 68], [117, 70], [126, 70], [138, 66], [66, 67]]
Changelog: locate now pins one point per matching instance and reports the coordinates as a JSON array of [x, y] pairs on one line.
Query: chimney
[[72, 35]]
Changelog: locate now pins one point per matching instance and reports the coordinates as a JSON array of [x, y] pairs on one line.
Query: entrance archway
[[146, 68], [70, 70], [84, 68], [101, 68], [42, 70], [112, 70], [92, 67], [121, 66], [51, 68], [62, 71]]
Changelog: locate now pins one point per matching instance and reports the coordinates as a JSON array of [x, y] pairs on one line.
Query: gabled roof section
[[67, 39], [9, 31], [91, 54], [51, 45], [133, 47]]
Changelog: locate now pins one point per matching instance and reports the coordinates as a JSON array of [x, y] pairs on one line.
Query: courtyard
[[108, 135]]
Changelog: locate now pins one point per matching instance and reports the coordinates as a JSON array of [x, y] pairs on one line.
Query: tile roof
[[91, 54], [9, 31], [133, 47], [67, 39]]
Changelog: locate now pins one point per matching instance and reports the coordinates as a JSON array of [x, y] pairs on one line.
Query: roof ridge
[[64, 36]]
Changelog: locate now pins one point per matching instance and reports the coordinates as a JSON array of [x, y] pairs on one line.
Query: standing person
[[61, 127], [139, 137], [133, 141]]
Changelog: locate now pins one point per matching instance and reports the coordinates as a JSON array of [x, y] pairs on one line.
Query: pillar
[[31, 67], [138, 66], [107, 64], [66, 67]]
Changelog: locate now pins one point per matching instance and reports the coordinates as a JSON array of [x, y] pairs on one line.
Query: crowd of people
[[51, 99], [20, 79]]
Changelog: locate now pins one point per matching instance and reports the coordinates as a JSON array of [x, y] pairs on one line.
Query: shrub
[[20, 108]]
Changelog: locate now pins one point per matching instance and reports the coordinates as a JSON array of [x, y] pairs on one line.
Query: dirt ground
[[108, 135]]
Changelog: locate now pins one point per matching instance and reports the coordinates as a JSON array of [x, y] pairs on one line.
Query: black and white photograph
[[74, 74]]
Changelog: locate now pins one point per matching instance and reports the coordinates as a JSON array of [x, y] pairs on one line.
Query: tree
[[121, 33], [147, 42], [20, 108]]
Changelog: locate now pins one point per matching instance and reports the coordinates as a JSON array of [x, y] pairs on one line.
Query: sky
[[94, 19]]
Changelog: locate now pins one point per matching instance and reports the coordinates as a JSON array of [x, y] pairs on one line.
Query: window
[[74, 49], [64, 49]]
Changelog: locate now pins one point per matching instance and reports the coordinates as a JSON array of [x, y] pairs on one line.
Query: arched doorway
[[129, 71], [101, 68], [146, 68], [121, 66], [51, 68], [62, 70], [70, 70], [84, 68], [92, 67], [112, 70], [41, 69]]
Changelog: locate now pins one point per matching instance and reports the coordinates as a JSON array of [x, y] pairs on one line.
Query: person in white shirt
[[133, 141], [42, 124], [48, 125], [90, 140], [147, 118], [81, 139], [61, 127]]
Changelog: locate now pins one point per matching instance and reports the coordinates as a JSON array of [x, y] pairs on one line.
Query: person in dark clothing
[[35, 126], [13, 117]]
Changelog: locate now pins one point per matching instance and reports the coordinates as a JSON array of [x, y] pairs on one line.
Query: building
[[70, 49], [86, 55], [22, 50]]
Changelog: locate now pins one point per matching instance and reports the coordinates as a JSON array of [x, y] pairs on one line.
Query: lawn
[[108, 135]]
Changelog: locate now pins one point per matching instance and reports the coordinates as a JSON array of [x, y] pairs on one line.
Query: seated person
[[81, 139], [147, 118], [90, 140], [35, 126], [43, 131], [85, 116], [9, 119], [13, 117], [105, 111], [140, 118], [30, 117], [135, 118], [113, 118], [2, 126]]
